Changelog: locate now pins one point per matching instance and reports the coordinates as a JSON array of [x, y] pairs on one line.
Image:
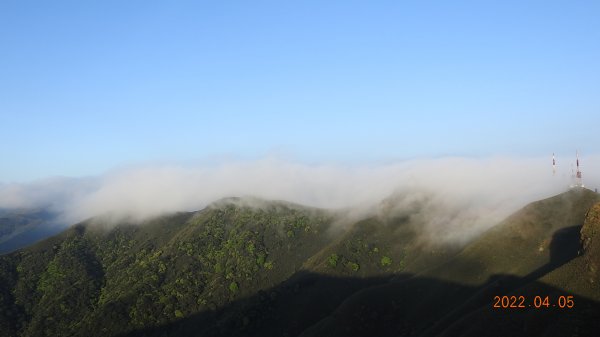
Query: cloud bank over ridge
[[475, 189]]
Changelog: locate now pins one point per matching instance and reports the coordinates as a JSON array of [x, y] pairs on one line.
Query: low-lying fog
[[468, 194]]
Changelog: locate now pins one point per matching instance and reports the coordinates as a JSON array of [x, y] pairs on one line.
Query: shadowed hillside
[[245, 267], [522, 243], [510, 259]]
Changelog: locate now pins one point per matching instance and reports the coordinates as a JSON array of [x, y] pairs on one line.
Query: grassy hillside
[[524, 241], [515, 255], [577, 277]]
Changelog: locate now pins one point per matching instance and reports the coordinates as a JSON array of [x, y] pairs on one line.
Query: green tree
[[268, 265], [386, 261], [353, 265], [233, 287], [333, 260]]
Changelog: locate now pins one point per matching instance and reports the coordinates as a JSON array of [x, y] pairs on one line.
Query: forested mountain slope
[[248, 267]]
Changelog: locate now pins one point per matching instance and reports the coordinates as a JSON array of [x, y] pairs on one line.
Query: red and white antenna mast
[[553, 165], [579, 182]]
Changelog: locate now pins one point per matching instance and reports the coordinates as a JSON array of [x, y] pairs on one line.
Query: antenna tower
[[578, 180]]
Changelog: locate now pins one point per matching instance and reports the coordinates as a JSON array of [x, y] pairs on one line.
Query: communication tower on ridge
[[576, 176], [578, 180]]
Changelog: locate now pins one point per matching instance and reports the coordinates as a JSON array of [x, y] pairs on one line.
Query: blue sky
[[88, 86]]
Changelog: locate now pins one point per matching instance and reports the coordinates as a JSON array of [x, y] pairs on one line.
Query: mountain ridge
[[233, 269]]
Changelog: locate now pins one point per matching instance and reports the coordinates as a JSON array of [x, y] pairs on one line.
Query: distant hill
[[22, 227], [250, 267]]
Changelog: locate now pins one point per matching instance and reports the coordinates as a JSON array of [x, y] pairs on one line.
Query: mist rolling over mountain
[[251, 267], [494, 186], [299, 169], [271, 247]]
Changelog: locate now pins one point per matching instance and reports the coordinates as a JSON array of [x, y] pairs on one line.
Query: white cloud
[[476, 192]]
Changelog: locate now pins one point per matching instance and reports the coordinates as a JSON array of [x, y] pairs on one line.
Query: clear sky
[[86, 86]]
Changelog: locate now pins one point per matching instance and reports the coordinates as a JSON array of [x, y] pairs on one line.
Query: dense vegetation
[[240, 268], [149, 274]]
